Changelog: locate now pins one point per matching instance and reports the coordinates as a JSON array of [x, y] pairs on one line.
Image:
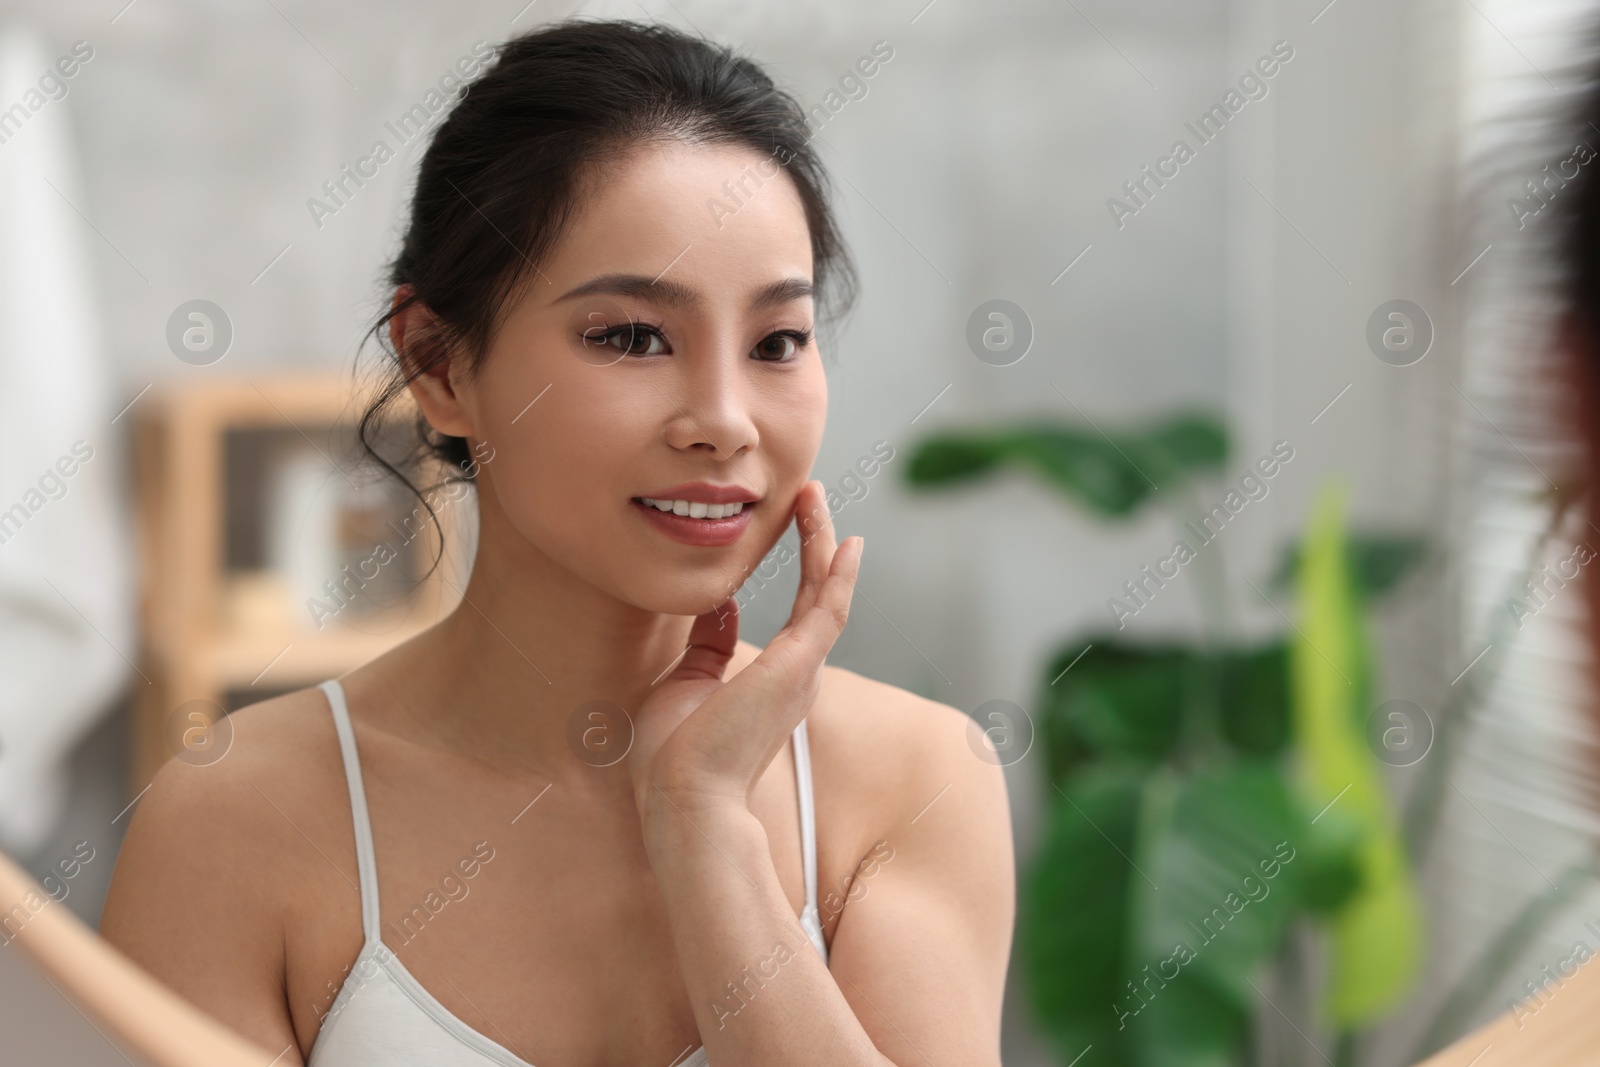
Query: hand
[[698, 740]]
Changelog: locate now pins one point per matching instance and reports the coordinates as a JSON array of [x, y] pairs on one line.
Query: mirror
[[1215, 405]]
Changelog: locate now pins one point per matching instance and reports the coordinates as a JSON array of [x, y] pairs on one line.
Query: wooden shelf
[[295, 658], [212, 631]]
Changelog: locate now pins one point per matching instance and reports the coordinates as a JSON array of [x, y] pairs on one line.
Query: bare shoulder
[[893, 746], [884, 759], [202, 888], [268, 759], [879, 744], [910, 783]]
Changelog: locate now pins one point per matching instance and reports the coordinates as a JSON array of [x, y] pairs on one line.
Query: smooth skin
[[619, 902]]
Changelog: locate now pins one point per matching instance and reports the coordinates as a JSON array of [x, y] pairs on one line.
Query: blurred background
[[1308, 347]]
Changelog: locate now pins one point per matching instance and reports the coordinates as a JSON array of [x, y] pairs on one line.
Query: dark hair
[[1577, 210], [501, 175], [1573, 246]]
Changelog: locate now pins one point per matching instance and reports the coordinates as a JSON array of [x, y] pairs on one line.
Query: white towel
[[66, 610]]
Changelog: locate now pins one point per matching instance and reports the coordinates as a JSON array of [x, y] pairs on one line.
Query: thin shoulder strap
[[808, 835], [366, 865]]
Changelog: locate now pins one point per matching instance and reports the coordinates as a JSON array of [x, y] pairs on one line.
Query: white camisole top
[[383, 1017]]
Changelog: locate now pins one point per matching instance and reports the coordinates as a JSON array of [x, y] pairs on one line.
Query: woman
[[603, 309], [1556, 277]]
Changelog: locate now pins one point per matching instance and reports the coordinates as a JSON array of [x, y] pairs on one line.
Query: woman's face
[[662, 353]]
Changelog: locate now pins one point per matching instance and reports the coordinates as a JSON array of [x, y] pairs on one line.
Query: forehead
[[714, 218]]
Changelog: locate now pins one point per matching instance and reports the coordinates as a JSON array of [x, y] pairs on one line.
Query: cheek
[[789, 417], [564, 462], [559, 488], [793, 418], [557, 437]]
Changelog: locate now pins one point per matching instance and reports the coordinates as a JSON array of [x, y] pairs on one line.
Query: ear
[[435, 389]]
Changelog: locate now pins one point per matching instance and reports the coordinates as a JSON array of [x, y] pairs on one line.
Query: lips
[[687, 522], [709, 533], [704, 493]]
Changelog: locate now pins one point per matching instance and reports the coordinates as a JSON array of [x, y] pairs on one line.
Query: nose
[[709, 406]]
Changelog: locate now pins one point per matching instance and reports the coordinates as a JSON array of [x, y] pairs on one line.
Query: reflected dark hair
[[505, 170], [1573, 246], [1576, 244]]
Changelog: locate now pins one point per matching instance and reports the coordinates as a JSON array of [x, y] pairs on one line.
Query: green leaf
[[1331, 870], [1112, 474], [1225, 867], [1074, 911], [1378, 562], [1375, 938], [1255, 698], [1116, 700], [1151, 905], [1083, 464], [949, 460], [1149, 701], [1194, 440]]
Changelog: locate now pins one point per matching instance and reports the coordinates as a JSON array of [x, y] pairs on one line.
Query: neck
[[502, 678]]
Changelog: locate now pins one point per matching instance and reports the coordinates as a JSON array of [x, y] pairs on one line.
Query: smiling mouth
[[693, 509]]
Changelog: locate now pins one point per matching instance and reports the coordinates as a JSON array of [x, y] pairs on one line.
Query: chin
[[687, 598]]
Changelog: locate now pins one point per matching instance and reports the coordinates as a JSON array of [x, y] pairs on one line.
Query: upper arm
[[924, 937], [187, 899]]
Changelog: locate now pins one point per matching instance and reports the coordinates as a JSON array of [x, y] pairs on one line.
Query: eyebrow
[[676, 295]]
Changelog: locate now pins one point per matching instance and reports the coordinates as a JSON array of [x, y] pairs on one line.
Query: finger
[[817, 546], [815, 632], [815, 524], [784, 676], [711, 643]]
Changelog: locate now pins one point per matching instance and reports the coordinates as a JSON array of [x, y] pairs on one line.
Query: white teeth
[[694, 509]]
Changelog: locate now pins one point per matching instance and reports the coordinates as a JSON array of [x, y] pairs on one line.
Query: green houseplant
[[1203, 796]]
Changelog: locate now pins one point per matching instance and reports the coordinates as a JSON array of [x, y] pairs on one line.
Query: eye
[[781, 347], [634, 339]]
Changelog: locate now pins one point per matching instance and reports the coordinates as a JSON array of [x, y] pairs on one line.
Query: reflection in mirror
[[434, 508]]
